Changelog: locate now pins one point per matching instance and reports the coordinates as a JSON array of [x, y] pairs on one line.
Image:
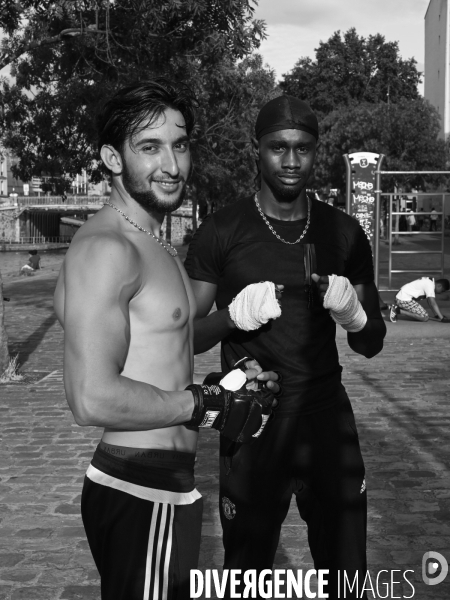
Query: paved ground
[[401, 399]]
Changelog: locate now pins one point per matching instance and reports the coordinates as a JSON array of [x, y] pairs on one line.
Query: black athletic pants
[[316, 457], [143, 549]]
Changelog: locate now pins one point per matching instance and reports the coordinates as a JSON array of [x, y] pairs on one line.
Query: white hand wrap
[[343, 304], [254, 306]]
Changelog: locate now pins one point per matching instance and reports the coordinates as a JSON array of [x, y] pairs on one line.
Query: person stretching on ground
[[127, 308], [406, 299]]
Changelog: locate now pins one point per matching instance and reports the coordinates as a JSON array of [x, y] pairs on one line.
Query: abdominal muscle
[[167, 365]]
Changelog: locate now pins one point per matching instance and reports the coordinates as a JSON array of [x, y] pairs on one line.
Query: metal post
[[390, 241], [348, 184], [376, 241], [443, 234]]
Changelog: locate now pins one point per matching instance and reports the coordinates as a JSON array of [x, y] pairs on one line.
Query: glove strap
[[198, 404], [240, 364], [210, 408]]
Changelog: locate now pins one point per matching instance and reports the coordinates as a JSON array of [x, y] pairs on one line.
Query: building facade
[[437, 55], [8, 183]]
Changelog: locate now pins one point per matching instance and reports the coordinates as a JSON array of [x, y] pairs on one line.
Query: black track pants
[[144, 540], [318, 458]]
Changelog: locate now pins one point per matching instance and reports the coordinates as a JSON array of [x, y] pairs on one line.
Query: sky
[[295, 27]]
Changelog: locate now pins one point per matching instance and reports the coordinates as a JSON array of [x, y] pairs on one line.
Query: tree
[[54, 134], [351, 69], [77, 53], [4, 353], [103, 35], [366, 98], [229, 101], [406, 132]]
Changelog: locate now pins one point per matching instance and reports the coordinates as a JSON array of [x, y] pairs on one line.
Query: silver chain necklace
[[308, 219], [168, 247]]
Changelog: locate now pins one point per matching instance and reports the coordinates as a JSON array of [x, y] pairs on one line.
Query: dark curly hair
[[133, 107], [445, 283]]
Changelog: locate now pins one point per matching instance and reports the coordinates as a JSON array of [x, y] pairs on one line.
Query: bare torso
[[161, 309]]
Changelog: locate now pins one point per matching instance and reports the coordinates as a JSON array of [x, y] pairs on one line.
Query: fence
[[59, 239], [394, 215], [57, 200], [378, 193]]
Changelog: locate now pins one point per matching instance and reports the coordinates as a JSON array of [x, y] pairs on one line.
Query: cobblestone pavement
[[401, 400]]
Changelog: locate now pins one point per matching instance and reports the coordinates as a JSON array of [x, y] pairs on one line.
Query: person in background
[[421, 219], [410, 220], [402, 223], [433, 219], [34, 263], [406, 299]]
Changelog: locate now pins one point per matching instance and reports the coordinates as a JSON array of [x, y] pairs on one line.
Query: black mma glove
[[240, 416]]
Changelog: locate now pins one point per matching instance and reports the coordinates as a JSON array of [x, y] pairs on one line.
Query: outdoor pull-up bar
[[378, 192]]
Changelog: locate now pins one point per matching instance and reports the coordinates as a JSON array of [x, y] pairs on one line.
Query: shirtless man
[[127, 308]]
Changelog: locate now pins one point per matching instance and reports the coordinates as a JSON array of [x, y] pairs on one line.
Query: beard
[[148, 199], [282, 192]]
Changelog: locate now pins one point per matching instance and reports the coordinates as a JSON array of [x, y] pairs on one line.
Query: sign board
[[361, 167], [36, 183], [26, 189]]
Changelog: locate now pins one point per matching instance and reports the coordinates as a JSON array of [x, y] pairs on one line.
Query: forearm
[[434, 307], [118, 402], [210, 330], [368, 341]]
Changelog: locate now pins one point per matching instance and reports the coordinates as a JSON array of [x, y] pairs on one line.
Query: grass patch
[[11, 373]]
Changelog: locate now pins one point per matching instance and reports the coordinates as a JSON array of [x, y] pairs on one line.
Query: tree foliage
[[406, 132], [111, 37], [223, 156], [350, 69], [67, 57], [366, 98]]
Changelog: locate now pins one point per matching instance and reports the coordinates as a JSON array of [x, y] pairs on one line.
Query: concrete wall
[[9, 227], [437, 60], [37, 223]]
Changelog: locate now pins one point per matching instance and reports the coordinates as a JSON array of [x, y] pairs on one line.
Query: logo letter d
[[431, 562]]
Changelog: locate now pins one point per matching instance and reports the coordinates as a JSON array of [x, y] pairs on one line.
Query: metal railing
[[394, 232], [378, 192], [59, 239], [57, 200]]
